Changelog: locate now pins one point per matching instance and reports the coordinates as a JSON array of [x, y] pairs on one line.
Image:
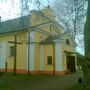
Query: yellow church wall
[[7, 38], [48, 51], [71, 47], [68, 48], [10, 60], [49, 13], [21, 51], [36, 18], [36, 60], [39, 37], [21, 56]]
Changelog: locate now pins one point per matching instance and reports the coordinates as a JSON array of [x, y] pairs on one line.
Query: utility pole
[[53, 58], [28, 53], [15, 54]]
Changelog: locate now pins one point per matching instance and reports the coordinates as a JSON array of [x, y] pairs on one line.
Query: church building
[[36, 44]]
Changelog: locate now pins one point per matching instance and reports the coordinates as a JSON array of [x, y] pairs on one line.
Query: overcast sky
[[11, 8]]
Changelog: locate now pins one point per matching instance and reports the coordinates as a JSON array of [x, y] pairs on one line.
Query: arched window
[[67, 42]]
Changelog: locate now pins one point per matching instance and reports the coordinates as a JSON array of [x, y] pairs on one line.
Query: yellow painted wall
[[39, 18], [49, 13], [71, 47], [40, 37], [36, 61], [35, 16], [21, 50], [48, 51]]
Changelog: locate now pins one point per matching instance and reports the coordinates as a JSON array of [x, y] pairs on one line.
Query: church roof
[[14, 25], [50, 39]]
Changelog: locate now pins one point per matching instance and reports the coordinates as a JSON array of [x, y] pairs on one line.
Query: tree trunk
[[87, 33]]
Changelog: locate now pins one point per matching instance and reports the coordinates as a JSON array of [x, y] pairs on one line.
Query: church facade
[[35, 44]]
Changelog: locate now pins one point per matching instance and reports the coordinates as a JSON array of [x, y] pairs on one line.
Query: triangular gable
[[47, 18], [54, 27], [69, 36]]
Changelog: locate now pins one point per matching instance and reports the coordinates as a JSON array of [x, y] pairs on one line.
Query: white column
[[58, 57], [41, 58], [31, 60], [31, 52], [2, 54]]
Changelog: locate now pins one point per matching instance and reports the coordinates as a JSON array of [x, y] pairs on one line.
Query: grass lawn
[[38, 82], [5, 87], [76, 87], [21, 81]]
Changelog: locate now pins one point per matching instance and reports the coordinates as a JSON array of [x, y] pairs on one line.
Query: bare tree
[[71, 14]]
